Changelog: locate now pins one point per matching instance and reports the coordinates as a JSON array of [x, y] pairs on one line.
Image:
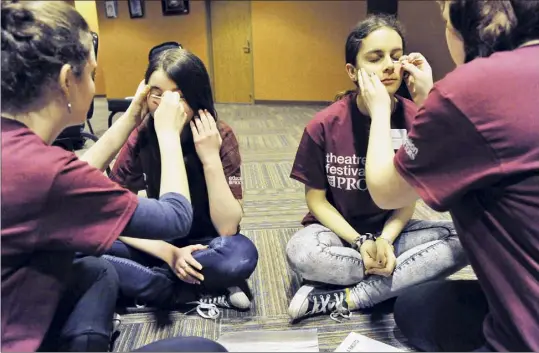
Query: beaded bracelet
[[360, 239]]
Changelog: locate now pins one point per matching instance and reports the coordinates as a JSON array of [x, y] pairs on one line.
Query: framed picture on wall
[[136, 8], [175, 7], [111, 8]]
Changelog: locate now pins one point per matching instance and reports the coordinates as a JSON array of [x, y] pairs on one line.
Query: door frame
[[209, 40], [210, 49]]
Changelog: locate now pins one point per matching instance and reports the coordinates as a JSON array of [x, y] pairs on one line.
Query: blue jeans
[[227, 262], [183, 344], [83, 320], [444, 316], [425, 250]]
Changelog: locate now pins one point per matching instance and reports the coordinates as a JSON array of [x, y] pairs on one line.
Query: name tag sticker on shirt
[[398, 136]]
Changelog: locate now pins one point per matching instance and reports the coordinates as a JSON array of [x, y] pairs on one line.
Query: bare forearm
[[380, 156], [173, 173], [106, 148], [396, 223], [387, 188], [156, 248], [225, 210], [331, 218]]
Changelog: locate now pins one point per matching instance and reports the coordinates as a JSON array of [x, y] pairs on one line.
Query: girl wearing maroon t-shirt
[[184, 271], [348, 240], [55, 204], [473, 150]]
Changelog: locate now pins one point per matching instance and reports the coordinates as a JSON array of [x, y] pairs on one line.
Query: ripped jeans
[[425, 250]]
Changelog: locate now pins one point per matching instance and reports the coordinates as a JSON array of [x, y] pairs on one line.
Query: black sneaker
[[312, 301]]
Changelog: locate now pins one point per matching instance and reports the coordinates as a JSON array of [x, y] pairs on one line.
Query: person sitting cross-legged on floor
[[369, 253], [209, 265]]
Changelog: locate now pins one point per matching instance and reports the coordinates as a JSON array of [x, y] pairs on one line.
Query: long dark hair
[[360, 32], [189, 74], [191, 77], [487, 27]]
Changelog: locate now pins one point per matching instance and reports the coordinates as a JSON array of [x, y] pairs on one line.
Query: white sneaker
[[114, 333], [116, 322], [208, 306], [238, 298]]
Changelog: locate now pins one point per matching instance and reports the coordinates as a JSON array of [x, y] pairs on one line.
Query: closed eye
[[160, 95], [394, 58]]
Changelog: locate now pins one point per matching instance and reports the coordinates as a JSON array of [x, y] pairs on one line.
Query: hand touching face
[[159, 83]]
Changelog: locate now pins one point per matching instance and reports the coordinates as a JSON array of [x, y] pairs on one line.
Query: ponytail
[[343, 94]]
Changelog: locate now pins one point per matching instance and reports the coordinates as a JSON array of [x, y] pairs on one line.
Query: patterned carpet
[[274, 205]]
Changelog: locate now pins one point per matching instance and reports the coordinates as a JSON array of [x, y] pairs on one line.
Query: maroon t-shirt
[[474, 150], [138, 167], [53, 205], [331, 156]]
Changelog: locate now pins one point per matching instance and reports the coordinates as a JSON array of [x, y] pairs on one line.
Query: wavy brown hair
[[489, 26], [38, 38]]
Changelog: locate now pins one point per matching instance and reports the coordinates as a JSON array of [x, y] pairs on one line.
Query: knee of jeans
[[300, 256], [112, 278], [233, 244], [91, 270], [239, 257], [98, 268]]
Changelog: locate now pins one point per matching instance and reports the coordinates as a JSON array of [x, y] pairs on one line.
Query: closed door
[[232, 51]]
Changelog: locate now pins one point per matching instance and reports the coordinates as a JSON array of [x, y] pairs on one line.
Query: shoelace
[[336, 305], [340, 312], [210, 304]]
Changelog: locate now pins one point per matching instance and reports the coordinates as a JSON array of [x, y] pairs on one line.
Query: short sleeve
[[231, 159], [308, 167], [445, 156], [85, 211], [127, 169]]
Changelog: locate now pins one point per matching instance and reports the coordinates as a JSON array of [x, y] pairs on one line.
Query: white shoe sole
[[297, 302], [238, 303]]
